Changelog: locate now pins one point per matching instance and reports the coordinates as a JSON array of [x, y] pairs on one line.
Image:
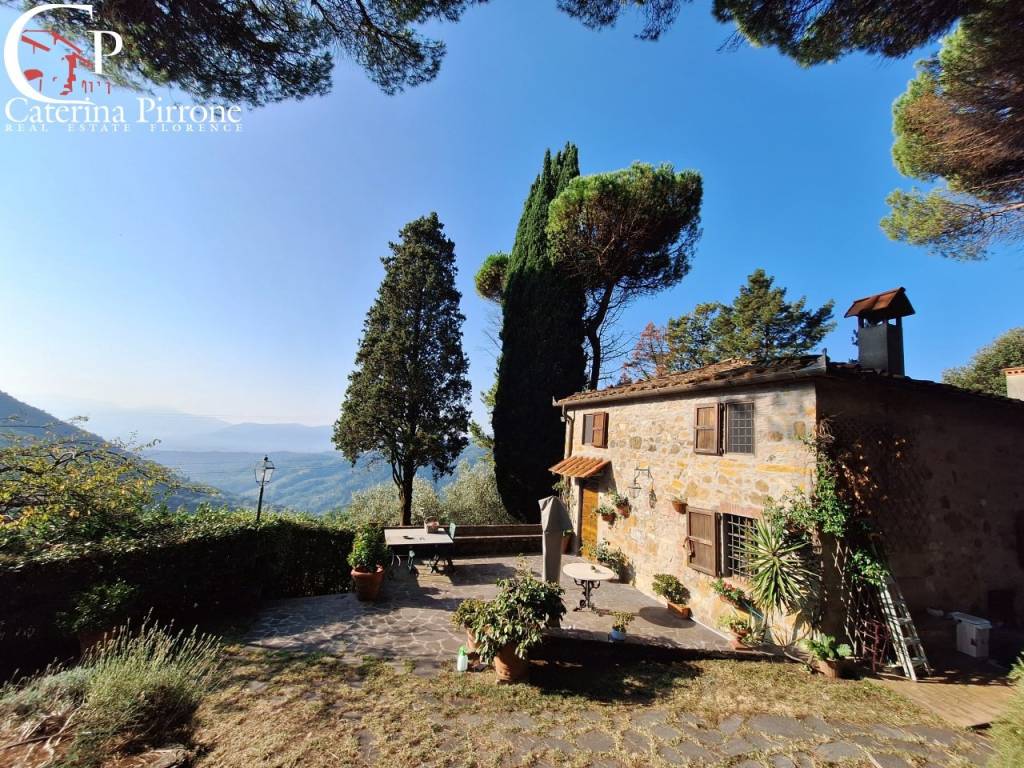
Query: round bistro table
[[589, 576]]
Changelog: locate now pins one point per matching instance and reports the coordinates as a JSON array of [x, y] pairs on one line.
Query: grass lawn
[[277, 709]]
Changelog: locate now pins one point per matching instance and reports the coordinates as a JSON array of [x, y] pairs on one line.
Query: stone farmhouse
[[937, 467]]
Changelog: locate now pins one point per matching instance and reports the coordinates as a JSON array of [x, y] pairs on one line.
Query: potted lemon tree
[[368, 557]]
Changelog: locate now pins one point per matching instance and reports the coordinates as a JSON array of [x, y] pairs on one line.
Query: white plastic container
[[972, 634]]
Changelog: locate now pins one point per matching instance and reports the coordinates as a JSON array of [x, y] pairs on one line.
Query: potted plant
[[465, 617], [508, 626], [97, 611], [567, 535], [740, 629], [621, 504], [675, 593], [620, 622], [368, 557], [831, 658], [431, 524], [610, 557], [730, 594], [679, 505], [608, 514]]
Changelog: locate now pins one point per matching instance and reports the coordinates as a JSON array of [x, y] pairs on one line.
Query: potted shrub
[[368, 557], [678, 505], [730, 594], [621, 504], [567, 535], [675, 593], [608, 514], [98, 611], [740, 629], [620, 622], [830, 657], [513, 622], [465, 617], [610, 557]]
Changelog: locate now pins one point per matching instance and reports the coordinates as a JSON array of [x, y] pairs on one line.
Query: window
[[705, 431], [595, 429], [739, 427], [736, 532]]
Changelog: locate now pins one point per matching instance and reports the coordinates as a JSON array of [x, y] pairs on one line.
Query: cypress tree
[[541, 349], [408, 397]]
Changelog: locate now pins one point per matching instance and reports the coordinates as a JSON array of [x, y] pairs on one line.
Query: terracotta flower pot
[[682, 611], [679, 506], [367, 583], [833, 669], [738, 641], [566, 542], [509, 667]]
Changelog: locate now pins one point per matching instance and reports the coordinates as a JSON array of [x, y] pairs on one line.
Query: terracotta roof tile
[[882, 306], [728, 372], [580, 466]]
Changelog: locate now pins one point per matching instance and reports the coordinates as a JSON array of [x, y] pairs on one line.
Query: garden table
[[409, 540], [588, 576]]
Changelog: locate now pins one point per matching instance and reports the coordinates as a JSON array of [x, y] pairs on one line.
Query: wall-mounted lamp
[[634, 489]]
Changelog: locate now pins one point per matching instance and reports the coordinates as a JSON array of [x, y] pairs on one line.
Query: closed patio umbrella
[[553, 520]]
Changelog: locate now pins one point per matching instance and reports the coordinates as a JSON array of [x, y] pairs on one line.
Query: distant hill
[[310, 482], [18, 418], [23, 420], [311, 476], [178, 431]]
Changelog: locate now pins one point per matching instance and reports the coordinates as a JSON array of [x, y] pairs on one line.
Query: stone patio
[[412, 618]]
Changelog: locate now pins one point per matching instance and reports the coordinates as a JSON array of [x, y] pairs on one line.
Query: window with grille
[[736, 532], [739, 428]]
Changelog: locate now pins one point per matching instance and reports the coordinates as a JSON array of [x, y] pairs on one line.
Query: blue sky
[[229, 275]]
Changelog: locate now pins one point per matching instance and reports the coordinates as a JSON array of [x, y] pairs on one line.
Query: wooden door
[[588, 526]]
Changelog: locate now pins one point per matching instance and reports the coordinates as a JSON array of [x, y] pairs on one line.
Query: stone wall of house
[[941, 473], [658, 434]]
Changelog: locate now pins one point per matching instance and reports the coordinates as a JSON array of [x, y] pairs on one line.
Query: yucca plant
[[779, 578]]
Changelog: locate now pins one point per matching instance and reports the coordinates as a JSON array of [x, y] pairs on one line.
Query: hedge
[[204, 571]]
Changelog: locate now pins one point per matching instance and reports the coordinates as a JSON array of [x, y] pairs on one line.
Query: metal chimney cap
[[882, 306]]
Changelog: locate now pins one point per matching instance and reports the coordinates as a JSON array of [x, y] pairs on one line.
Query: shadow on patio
[[412, 618]]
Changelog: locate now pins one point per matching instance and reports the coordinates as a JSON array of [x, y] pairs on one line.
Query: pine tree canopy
[[408, 396], [985, 371], [759, 325], [623, 235], [961, 120], [541, 349]]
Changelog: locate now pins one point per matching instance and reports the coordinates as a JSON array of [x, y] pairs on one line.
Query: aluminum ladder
[[906, 643]]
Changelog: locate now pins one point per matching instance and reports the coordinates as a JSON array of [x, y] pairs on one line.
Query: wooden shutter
[[702, 540], [600, 430], [705, 429]]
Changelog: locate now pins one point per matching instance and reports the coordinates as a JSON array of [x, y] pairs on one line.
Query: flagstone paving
[[411, 620], [410, 626]]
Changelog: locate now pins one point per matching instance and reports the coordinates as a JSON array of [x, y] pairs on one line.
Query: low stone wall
[[495, 539]]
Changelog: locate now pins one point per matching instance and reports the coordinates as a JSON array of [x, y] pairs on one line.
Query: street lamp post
[[264, 471]]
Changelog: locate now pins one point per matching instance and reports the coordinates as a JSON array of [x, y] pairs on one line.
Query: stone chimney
[[880, 330], [1015, 382]]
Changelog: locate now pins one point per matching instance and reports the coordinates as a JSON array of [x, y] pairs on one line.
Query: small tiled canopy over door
[[588, 525], [702, 541]]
